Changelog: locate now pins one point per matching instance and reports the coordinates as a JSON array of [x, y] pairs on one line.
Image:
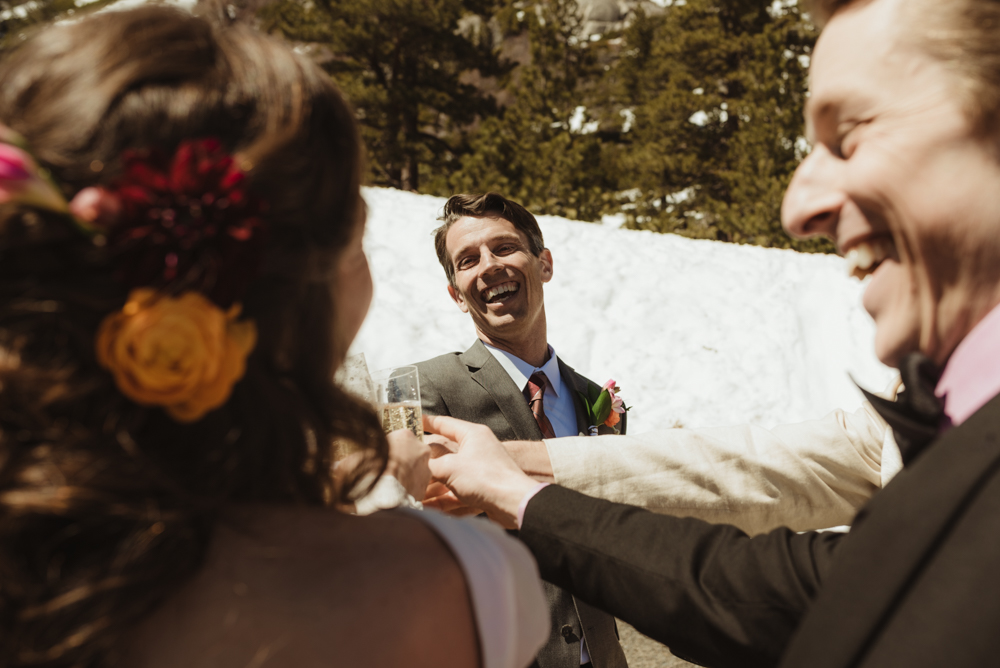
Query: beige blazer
[[812, 475]]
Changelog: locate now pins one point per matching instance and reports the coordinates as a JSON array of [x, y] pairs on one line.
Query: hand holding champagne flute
[[395, 394]]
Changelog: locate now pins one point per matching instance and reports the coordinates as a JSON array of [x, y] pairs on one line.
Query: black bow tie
[[916, 415]]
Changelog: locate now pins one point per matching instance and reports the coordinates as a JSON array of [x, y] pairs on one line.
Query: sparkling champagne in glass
[[397, 392]]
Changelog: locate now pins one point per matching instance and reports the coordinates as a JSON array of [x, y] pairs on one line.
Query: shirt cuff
[[528, 497]]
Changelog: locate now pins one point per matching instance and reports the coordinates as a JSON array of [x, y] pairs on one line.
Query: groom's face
[[498, 281]]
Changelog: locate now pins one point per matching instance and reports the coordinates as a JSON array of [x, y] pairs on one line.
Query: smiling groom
[[510, 379]]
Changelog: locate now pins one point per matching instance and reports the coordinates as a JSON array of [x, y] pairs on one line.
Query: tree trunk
[[411, 173], [411, 170]]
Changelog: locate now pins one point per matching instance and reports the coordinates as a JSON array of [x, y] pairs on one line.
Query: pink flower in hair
[[22, 181], [95, 207]]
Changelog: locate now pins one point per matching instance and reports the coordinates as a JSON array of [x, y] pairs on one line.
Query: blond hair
[[961, 33]]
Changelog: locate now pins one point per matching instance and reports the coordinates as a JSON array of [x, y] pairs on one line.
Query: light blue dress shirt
[[558, 398]]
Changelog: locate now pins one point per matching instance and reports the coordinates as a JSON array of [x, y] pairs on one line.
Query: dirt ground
[[643, 652]]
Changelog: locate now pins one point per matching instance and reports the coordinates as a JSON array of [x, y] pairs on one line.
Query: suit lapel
[[577, 384], [509, 399], [891, 540], [492, 377]]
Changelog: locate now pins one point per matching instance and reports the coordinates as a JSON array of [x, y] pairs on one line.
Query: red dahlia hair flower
[[186, 223]]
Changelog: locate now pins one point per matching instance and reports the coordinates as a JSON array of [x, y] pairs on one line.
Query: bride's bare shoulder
[[313, 587]]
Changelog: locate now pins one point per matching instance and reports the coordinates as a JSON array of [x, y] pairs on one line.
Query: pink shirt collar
[[972, 375]]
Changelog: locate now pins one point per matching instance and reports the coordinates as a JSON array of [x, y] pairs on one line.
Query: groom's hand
[[480, 474], [437, 495]]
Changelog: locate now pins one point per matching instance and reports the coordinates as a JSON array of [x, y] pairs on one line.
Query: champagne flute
[[397, 394], [353, 376]]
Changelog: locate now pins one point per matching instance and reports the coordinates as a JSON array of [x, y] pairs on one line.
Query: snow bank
[[697, 333]]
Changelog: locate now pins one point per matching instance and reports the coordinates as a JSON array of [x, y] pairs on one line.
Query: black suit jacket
[[915, 584], [473, 386]]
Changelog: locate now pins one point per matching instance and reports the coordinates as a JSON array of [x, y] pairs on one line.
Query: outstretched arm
[[533, 458], [709, 591], [811, 475]]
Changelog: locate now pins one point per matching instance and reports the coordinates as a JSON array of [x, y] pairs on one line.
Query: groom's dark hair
[[492, 205]]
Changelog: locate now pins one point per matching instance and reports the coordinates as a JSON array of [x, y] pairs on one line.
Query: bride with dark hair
[[181, 272]]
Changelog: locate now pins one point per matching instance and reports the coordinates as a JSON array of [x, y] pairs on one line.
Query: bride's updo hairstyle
[[107, 503]]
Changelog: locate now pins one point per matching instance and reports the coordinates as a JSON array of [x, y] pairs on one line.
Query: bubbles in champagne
[[403, 415]]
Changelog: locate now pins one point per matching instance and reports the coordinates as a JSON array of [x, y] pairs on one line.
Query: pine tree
[[542, 149], [405, 67], [717, 88]]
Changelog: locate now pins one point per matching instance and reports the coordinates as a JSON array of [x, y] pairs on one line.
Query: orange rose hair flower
[[184, 353]]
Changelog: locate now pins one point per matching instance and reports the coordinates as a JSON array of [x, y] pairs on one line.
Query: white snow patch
[[629, 119], [780, 7], [122, 5], [697, 332], [680, 196], [802, 147], [578, 122], [699, 118], [613, 220]]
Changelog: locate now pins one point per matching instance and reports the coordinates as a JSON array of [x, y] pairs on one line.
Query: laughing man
[[511, 379]]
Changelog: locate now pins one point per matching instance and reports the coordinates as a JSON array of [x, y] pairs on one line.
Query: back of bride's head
[[173, 202]]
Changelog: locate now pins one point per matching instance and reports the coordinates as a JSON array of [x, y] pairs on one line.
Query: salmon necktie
[[534, 393]]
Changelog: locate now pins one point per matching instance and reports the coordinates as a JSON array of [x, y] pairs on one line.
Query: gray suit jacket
[[473, 386]]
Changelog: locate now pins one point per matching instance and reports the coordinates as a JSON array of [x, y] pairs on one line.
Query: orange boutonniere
[[182, 353], [604, 406]]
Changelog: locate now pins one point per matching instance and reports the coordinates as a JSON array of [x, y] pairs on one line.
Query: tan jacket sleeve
[[805, 476]]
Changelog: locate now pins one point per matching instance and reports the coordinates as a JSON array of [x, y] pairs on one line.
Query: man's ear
[[546, 259], [457, 298]]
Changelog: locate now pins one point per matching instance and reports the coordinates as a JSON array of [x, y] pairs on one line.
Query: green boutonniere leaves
[[599, 404]]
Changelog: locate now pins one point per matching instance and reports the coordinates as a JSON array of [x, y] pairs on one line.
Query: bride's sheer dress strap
[[512, 615]]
